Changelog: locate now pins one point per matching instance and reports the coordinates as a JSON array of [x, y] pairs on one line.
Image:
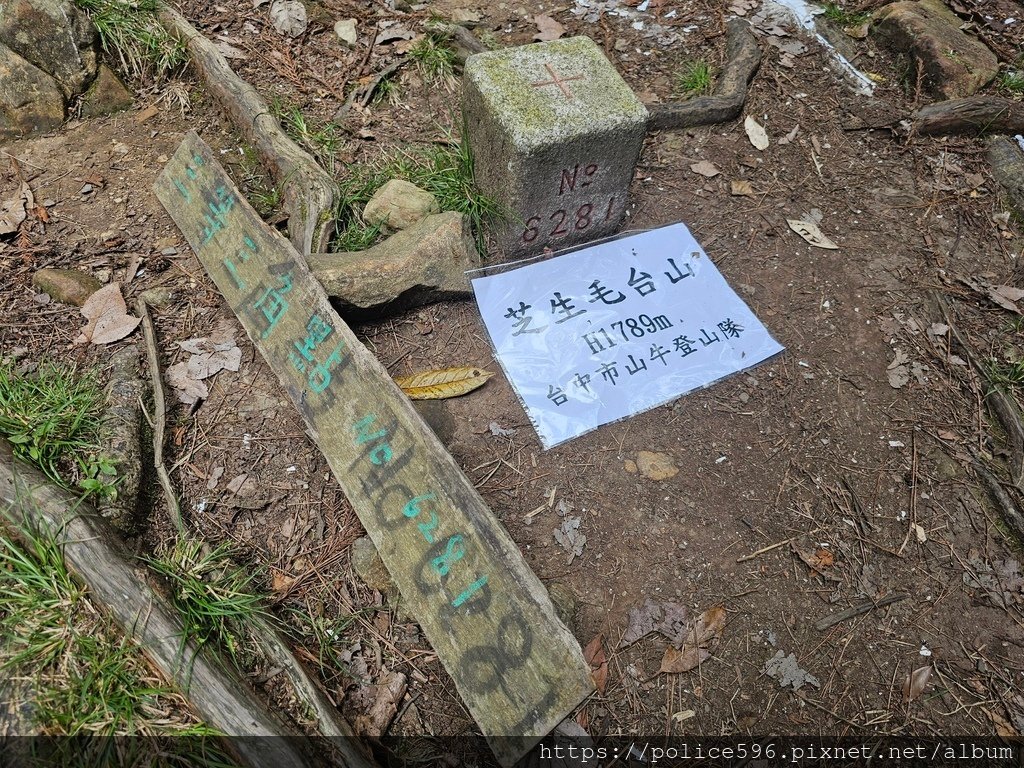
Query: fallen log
[[743, 57], [94, 555], [975, 115], [308, 192], [1007, 161]]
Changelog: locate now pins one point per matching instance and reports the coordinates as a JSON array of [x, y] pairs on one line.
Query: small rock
[[630, 466], [68, 286], [345, 29], [370, 568], [955, 64], [656, 466], [165, 242], [159, 297], [106, 95], [464, 17], [399, 204], [172, 251], [86, 189], [416, 266], [621, 44]]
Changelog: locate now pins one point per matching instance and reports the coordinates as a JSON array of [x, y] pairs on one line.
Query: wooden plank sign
[[487, 616]]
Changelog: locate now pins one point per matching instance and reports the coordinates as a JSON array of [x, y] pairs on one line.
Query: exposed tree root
[[743, 56], [974, 115], [308, 191]]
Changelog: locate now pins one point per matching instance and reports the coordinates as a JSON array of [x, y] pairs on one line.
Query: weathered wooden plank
[[488, 617], [93, 555]]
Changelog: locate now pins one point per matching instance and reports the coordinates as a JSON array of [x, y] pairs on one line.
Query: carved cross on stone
[[556, 80]]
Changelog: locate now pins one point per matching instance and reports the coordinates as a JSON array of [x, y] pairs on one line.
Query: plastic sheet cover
[[596, 335]]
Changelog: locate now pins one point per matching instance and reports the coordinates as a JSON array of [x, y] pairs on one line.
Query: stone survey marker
[[486, 614], [555, 133]]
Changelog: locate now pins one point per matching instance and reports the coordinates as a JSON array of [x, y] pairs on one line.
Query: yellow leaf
[[447, 382]]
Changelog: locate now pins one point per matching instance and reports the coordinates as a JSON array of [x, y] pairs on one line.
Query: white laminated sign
[[617, 328]]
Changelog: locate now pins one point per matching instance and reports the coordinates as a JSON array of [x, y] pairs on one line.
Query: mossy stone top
[[543, 93]]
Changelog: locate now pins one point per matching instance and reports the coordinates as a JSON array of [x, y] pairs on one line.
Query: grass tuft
[[215, 598], [1011, 81], [435, 59], [321, 141], [52, 419], [444, 170], [694, 78], [131, 32], [844, 18], [76, 675]]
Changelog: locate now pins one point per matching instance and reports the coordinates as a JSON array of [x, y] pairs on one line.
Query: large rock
[[399, 204], [418, 265], [955, 64], [106, 95], [30, 100], [55, 36], [68, 286]]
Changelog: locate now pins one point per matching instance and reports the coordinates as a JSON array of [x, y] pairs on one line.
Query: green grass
[[52, 419], [130, 31], [78, 675], [322, 141], [1011, 81], [444, 170], [1008, 375], [435, 59], [216, 599], [694, 78], [835, 12]]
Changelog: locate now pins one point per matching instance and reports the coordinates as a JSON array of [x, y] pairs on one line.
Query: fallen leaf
[[596, 657], [569, 536], [818, 561], [756, 133], [916, 682], [185, 387], [920, 533], [13, 210], [442, 383], [741, 188], [1009, 292], [288, 17], [549, 28], [705, 168], [701, 634], [389, 692], [107, 316], [656, 466], [898, 376], [229, 51], [809, 231], [791, 135], [666, 618], [788, 672]]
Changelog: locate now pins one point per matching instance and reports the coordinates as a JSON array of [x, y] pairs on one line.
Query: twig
[[857, 610], [776, 545], [159, 418]]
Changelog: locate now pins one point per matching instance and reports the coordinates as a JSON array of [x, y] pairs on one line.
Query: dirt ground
[[805, 486]]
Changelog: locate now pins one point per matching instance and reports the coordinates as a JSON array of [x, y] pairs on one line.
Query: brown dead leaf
[[704, 168], [666, 618], [916, 682], [700, 636], [549, 28], [389, 693], [443, 383], [818, 560], [13, 210], [108, 317], [596, 657], [280, 582], [741, 188]]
